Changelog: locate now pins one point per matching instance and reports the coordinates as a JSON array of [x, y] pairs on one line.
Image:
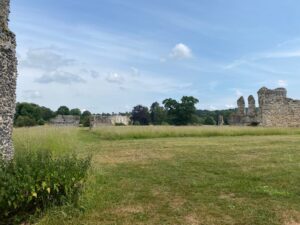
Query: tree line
[[170, 112], [30, 114]]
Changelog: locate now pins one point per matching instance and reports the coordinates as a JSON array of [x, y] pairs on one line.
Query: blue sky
[[109, 55]]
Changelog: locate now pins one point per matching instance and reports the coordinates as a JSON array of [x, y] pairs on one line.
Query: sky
[[110, 55]]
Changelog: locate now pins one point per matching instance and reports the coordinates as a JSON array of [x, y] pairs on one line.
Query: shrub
[[41, 122], [210, 121], [34, 181], [120, 124], [25, 121]]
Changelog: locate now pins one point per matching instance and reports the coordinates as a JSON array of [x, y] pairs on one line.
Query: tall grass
[[58, 140], [146, 132]]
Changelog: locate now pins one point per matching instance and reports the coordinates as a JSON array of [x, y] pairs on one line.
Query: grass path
[[222, 179]]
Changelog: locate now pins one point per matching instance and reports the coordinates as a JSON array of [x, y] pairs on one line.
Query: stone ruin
[[275, 110], [220, 120], [100, 120], [243, 116], [8, 77], [65, 120]]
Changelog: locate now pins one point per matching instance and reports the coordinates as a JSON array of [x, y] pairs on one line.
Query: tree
[[210, 121], [29, 114], [63, 110], [46, 113], [85, 118], [158, 114], [140, 115], [182, 113], [187, 110], [75, 112], [25, 121], [171, 107], [203, 114]]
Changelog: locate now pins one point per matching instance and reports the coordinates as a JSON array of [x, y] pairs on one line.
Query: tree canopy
[[140, 115]]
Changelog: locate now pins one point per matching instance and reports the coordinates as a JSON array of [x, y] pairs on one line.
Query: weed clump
[[34, 181]]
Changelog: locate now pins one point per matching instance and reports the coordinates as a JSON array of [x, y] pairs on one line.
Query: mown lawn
[[178, 175]]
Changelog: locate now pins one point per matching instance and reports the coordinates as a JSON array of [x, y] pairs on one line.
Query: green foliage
[[46, 113], [63, 110], [35, 181], [75, 112], [85, 118], [158, 114], [41, 122], [204, 114], [181, 113], [29, 114], [25, 121], [210, 121], [140, 115], [120, 124]]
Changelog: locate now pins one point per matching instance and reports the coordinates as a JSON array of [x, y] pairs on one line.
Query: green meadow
[[177, 175]]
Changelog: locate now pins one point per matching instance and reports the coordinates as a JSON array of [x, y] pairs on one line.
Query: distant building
[[65, 120], [100, 120]]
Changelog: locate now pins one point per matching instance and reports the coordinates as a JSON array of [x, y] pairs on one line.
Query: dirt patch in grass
[[292, 217], [131, 156], [174, 201], [177, 202], [232, 197], [227, 196], [292, 223], [192, 219]]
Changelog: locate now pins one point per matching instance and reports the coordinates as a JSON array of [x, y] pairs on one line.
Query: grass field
[[178, 175]]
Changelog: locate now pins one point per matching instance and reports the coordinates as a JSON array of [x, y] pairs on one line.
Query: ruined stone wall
[[276, 110], [220, 120], [65, 120], [8, 75], [99, 120], [245, 117]]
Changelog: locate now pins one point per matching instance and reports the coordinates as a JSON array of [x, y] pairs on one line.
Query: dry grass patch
[[128, 209], [192, 219], [291, 217], [131, 156]]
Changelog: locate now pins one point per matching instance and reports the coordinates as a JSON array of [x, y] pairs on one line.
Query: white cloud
[[281, 54], [282, 83], [31, 94], [234, 64], [45, 59], [115, 78], [230, 106], [181, 51], [211, 107], [61, 77]]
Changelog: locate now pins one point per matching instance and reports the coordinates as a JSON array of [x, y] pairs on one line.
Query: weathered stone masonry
[[65, 120], [275, 110], [99, 120], [8, 76]]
